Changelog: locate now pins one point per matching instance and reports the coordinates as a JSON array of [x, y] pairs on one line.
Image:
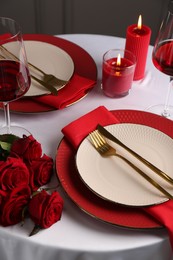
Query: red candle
[[117, 73], [137, 41]]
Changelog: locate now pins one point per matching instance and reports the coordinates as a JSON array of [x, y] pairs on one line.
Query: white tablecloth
[[78, 236]]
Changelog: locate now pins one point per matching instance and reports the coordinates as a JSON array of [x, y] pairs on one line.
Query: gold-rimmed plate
[[50, 59], [114, 180]]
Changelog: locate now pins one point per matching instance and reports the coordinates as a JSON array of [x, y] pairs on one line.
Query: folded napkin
[[77, 87], [77, 130]]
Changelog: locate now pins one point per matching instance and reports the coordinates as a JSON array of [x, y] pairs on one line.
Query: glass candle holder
[[117, 72]]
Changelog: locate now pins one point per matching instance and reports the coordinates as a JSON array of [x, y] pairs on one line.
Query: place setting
[[51, 55], [108, 188]]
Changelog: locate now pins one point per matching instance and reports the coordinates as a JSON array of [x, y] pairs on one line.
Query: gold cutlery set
[[105, 150], [49, 81]]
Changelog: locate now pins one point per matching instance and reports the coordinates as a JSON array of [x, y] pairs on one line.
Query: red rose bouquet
[[23, 171]]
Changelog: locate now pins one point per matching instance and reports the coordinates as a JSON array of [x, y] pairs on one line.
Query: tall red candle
[[137, 41]]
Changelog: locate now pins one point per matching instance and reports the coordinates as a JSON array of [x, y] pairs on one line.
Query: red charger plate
[[90, 203], [79, 57]]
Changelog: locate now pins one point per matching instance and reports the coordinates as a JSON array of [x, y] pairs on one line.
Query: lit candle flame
[[140, 22], [119, 60], [117, 72]]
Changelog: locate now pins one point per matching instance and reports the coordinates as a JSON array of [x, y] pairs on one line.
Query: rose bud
[[45, 209], [12, 210], [41, 171], [27, 147], [13, 173]]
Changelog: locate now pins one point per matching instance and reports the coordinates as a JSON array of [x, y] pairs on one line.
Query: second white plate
[[114, 180]]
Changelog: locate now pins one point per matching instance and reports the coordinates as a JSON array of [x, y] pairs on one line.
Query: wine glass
[[14, 74], [162, 58]]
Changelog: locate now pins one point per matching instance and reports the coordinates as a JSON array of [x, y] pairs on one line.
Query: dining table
[[79, 235]]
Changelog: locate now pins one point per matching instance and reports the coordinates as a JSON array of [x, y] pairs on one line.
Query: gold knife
[[111, 137]]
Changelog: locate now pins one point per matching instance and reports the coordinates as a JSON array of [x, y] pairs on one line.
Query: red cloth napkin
[[164, 214], [74, 90], [77, 130]]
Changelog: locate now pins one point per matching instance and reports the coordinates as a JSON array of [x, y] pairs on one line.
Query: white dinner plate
[[114, 180], [49, 58]]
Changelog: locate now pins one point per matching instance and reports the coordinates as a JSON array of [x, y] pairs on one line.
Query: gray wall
[[109, 17]]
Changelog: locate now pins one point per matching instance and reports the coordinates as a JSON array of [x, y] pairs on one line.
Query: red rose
[[27, 148], [3, 195], [41, 171], [13, 172], [14, 205], [45, 209]]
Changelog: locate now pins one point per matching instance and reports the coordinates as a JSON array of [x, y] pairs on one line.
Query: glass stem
[[166, 106], [7, 117]]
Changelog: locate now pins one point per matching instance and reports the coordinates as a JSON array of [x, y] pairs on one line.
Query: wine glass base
[[159, 110], [14, 130]]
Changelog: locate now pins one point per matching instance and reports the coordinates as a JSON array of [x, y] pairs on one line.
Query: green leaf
[[6, 141], [35, 230], [5, 146], [8, 138], [3, 154]]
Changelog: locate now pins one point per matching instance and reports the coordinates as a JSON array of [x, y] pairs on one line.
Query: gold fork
[[111, 137], [105, 150], [47, 78]]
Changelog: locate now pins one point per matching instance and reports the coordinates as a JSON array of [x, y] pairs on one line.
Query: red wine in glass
[[163, 60], [163, 57], [12, 80], [14, 74]]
